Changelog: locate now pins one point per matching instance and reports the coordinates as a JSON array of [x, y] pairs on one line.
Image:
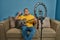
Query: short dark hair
[[25, 9]]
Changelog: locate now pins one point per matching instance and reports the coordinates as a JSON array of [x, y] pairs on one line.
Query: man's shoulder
[[31, 15]]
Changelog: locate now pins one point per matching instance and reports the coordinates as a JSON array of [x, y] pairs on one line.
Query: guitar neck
[[30, 20]]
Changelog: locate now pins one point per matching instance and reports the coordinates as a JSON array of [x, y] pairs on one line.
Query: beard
[[26, 13]]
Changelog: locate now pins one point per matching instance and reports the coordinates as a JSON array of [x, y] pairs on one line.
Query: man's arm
[[16, 18], [35, 20]]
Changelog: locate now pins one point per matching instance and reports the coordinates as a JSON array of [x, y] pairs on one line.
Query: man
[[29, 27]]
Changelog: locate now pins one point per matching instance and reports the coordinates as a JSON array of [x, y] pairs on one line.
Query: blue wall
[[57, 16], [11, 7]]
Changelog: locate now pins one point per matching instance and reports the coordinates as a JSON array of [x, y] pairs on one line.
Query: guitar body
[[19, 23]]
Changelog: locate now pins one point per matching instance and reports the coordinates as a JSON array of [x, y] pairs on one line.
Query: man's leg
[[24, 32], [32, 32]]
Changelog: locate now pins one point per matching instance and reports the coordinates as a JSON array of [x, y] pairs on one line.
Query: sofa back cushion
[[46, 23], [11, 22]]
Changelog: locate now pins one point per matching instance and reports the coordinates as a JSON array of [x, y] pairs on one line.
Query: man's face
[[26, 12]]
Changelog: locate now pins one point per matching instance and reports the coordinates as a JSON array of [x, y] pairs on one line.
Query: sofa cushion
[[48, 32], [48, 38], [13, 32], [18, 33], [36, 35], [14, 39], [20, 39]]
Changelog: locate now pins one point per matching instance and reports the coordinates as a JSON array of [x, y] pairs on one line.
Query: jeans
[[25, 32]]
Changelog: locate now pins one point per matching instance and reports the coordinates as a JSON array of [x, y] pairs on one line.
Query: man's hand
[[19, 13]]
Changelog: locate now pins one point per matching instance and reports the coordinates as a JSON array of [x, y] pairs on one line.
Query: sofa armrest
[[58, 33], [2, 32], [54, 24], [5, 24]]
